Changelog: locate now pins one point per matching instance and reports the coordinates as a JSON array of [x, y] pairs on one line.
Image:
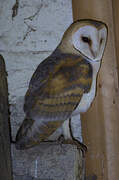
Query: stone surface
[[48, 161]]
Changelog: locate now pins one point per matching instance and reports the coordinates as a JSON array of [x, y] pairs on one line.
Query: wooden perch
[[5, 160]]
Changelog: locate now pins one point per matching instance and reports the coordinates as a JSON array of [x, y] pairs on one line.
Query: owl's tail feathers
[[32, 133], [24, 137]]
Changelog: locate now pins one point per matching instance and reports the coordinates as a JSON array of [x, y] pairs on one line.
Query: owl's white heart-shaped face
[[90, 41]]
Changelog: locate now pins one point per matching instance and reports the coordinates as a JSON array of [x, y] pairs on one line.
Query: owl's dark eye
[[86, 39]]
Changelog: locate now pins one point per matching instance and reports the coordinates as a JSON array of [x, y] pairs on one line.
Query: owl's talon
[[61, 139], [81, 146], [60, 142]]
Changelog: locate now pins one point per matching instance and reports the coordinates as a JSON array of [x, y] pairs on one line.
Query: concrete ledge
[[48, 162]]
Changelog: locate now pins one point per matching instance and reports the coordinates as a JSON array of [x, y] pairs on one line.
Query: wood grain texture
[[115, 6], [101, 123], [5, 159]]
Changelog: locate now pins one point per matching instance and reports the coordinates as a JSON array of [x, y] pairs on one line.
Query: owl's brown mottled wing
[[53, 96]]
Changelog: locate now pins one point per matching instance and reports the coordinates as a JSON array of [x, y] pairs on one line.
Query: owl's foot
[[61, 139], [80, 146]]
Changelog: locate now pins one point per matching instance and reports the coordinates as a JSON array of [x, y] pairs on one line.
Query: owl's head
[[86, 37]]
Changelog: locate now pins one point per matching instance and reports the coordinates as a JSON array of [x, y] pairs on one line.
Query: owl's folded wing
[[61, 90], [47, 107]]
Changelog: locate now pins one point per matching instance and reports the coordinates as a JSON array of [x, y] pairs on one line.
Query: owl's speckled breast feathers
[[63, 83]]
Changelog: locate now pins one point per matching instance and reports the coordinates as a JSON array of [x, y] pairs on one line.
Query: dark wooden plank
[[5, 156]]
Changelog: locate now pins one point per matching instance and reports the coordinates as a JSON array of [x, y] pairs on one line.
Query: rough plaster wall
[[25, 41]]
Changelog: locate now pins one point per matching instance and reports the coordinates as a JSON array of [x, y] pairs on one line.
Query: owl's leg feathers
[[72, 133], [75, 128]]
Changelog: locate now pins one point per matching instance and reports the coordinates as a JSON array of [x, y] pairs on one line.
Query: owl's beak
[[94, 53]]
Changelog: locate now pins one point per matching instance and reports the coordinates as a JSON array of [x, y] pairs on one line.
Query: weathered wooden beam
[[5, 157], [115, 7], [100, 124]]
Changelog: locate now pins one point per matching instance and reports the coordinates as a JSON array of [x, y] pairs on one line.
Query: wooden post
[[100, 124], [115, 5], [5, 160]]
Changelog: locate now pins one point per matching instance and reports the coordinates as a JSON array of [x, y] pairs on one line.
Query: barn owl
[[63, 85]]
